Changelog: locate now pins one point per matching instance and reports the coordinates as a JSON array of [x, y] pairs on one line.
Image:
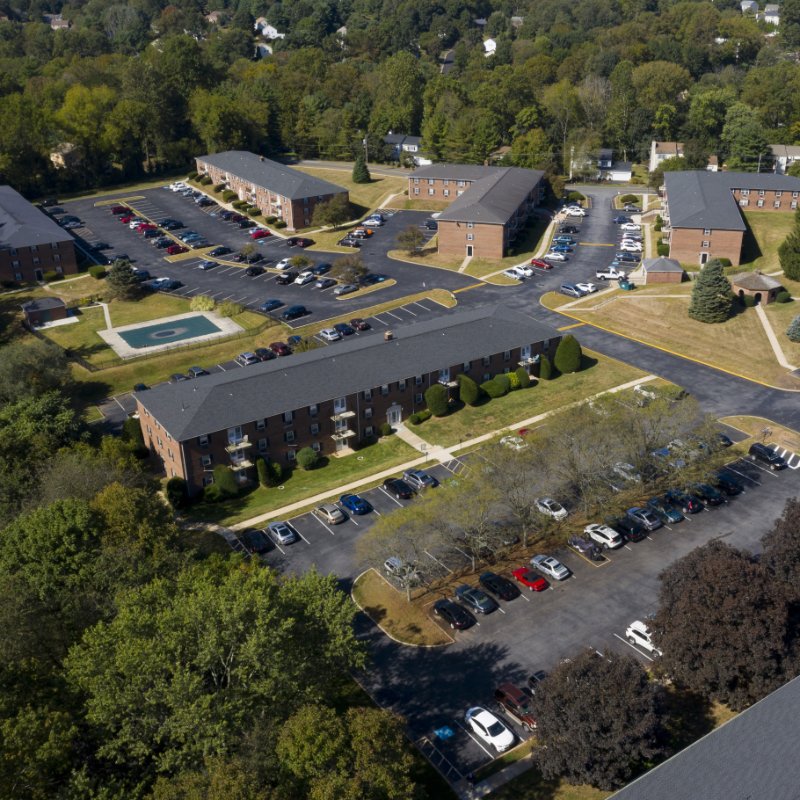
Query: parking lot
[[433, 688], [228, 281]]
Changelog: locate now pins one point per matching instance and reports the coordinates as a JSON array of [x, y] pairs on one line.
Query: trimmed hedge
[[386, 429], [280, 224], [219, 187], [419, 417], [263, 472], [177, 491], [575, 197], [51, 275], [271, 219], [523, 377], [254, 211], [726, 262], [469, 391], [628, 198], [513, 381], [192, 176], [568, 355], [307, 458], [98, 271], [228, 195], [499, 386], [545, 369], [783, 297], [748, 301], [206, 181], [436, 398], [662, 249]]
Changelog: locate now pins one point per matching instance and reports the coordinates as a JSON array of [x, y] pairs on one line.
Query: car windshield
[[496, 729]]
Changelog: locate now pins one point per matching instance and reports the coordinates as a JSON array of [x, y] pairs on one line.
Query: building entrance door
[[469, 251], [394, 414]]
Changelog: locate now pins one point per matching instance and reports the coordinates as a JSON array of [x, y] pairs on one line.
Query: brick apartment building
[[489, 206], [31, 243], [276, 189], [703, 210], [330, 397]]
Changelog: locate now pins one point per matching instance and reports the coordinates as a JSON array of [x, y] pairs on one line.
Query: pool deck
[[227, 327]]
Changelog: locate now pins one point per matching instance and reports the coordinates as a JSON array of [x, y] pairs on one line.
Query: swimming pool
[[162, 333]]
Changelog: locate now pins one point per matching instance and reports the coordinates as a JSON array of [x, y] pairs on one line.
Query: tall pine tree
[[711, 294], [360, 171]]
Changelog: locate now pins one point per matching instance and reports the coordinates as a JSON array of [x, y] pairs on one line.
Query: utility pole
[[366, 147]]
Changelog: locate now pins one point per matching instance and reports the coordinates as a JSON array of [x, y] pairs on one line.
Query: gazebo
[[757, 285]]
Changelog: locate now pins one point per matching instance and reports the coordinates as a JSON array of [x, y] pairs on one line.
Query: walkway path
[[494, 781], [107, 315], [773, 339], [465, 264]]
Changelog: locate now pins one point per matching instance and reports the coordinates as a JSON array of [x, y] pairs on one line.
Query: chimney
[[388, 336]]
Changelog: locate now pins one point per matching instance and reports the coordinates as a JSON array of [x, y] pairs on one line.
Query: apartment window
[[13, 251], [487, 376], [262, 445], [15, 263], [368, 412], [761, 192], [431, 192], [546, 344], [288, 416], [470, 224], [172, 473], [203, 440], [261, 424], [705, 244], [446, 181], [316, 447], [777, 204], [778, 194], [385, 389], [707, 232], [760, 203], [507, 355], [34, 248], [461, 183], [793, 204], [56, 258], [416, 180], [470, 237], [430, 181], [36, 261], [288, 436], [315, 429], [208, 480], [401, 385], [368, 394], [206, 460], [744, 203], [467, 365], [447, 193], [487, 360], [416, 191], [313, 410], [170, 456], [506, 370], [745, 192], [290, 455], [159, 442], [418, 398], [460, 192], [17, 276], [54, 245], [418, 380], [369, 431]]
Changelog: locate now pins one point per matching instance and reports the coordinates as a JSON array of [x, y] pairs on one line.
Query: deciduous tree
[[411, 240], [349, 269], [335, 211]]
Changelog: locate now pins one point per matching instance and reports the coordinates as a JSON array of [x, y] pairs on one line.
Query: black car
[[252, 272], [254, 258], [399, 488], [453, 614], [629, 529], [264, 354], [270, 305], [766, 455], [178, 377], [683, 501], [498, 585], [256, 541], [162, 242], [140, 387], [631, 258], [535, 680], [372, 278], [431, 224], [101, 246], [246, 223], [727, 484], [723, 440], [226, 215], [349, 242], [321, 268], [293, 312], [707, 494], [220, 251], [152, 234], [170, 224], [569, 229], [285, 278], [197, 372], [586, 547], [344, 329]]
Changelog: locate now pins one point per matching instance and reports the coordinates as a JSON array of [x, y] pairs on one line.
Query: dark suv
[[766, 455], [516, 704]]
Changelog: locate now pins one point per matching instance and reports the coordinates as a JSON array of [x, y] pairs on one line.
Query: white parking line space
[[632, 647], [324, 525], [474, 739], [378, 319], [278, 546], [390, 497]]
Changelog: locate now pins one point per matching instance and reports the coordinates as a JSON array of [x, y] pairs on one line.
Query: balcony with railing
[[238, 445]]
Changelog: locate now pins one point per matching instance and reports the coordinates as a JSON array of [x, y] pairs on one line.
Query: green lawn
[[365, 196], [766, 230], [780, 315], [336, 472], [601, 373], [532, 786]]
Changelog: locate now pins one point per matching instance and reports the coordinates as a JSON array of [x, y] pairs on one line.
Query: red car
[[280, 349], [174, 249], [117, 210], [531, 579], [260, 233], [539, 264], [359, 324], [146, 226], [126, 219]]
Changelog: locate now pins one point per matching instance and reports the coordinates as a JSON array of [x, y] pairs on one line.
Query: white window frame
[[202, 440]]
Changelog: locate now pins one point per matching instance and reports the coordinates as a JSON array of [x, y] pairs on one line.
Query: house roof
[[755, 282], [454, 172], [621, 166], [661, 264], [494, 197], [24, 225], [772, 8], [606, 153], [278, 178], [43, 304], [703, 199], [754, 755], [785, 150], [221, 401], [669, 148]]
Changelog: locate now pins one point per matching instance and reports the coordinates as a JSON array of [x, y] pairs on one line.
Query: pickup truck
[[609, 274]]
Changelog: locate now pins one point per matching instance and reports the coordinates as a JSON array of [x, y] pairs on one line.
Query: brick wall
[[763, 200], [30, 264], [488, 241], [436, 188], [686, 245]]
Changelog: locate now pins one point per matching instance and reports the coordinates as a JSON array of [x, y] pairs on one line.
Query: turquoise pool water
[[169, 332]]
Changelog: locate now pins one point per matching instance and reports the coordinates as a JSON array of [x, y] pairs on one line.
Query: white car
[[513, 442], [372, 222], [604, 536], [515, 273], [630, 247], [628, 240], [489, 728], [639, 634], [630, 226], [588, 288], [180, 186], [574, 211], [525, 270], [305, 277], [551, 508], [551, 567], [555, 257], [283, 264], [330, 335]]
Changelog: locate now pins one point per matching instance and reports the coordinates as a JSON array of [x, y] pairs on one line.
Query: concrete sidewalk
[[436, 454], [773, 339]]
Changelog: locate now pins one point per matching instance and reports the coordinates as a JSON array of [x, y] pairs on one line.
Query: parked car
[[628, 528], [555, 257], [255, 541], [330, 335], [586, 287], [516, 704], [220, 251], [550, 566], [630, 258], [569, 229], [664, 510], [630, 226], [515, 273], [246, 359], [283, 532], [280, 349], [419, 479], [551, 508], [645, 517], [177, 377], [621, 219], [726, 483], [324, 283], [118, 211], [305, 277], [293, 312], [370, 222], [487, 726], [766, 455], [359, 324], [631, 208], [574, 212], [640, 635], [538, 263], [206, 265], [476, 599], [355, 504], [431, 224], [330, 513], [270, 305], [535, 680], [175, 249], [498, 586], [246, 223], [681, 500], [398, 488], [253, 272], [197, 372], [349, 241], [345, 288], [285, 278], [283, 264], [560, 248], [299, 241], [260, 233], [571, 290], [162, 242], [453, 614], [532, 580], [706, 494], [264, 354], [604, 536], [322, 268], [564, 238], [586, 547]]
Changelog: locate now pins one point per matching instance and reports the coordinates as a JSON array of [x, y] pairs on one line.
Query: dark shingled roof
[[221, 401], [278, 178], [755, 282], [43, 303], [702, 199], [455, 172], [661, 264], [752, 757], [24, 225]]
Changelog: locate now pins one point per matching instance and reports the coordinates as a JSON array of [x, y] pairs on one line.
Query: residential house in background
[[602, 167], [66, 155], [266, 30], [489, 206], [276, 189], [216, 17], [785, 155], [56, 22], [328, 398], [400, 143], [661, 151], [703, 210], [489, 47], [749, 7], [772, 14]]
